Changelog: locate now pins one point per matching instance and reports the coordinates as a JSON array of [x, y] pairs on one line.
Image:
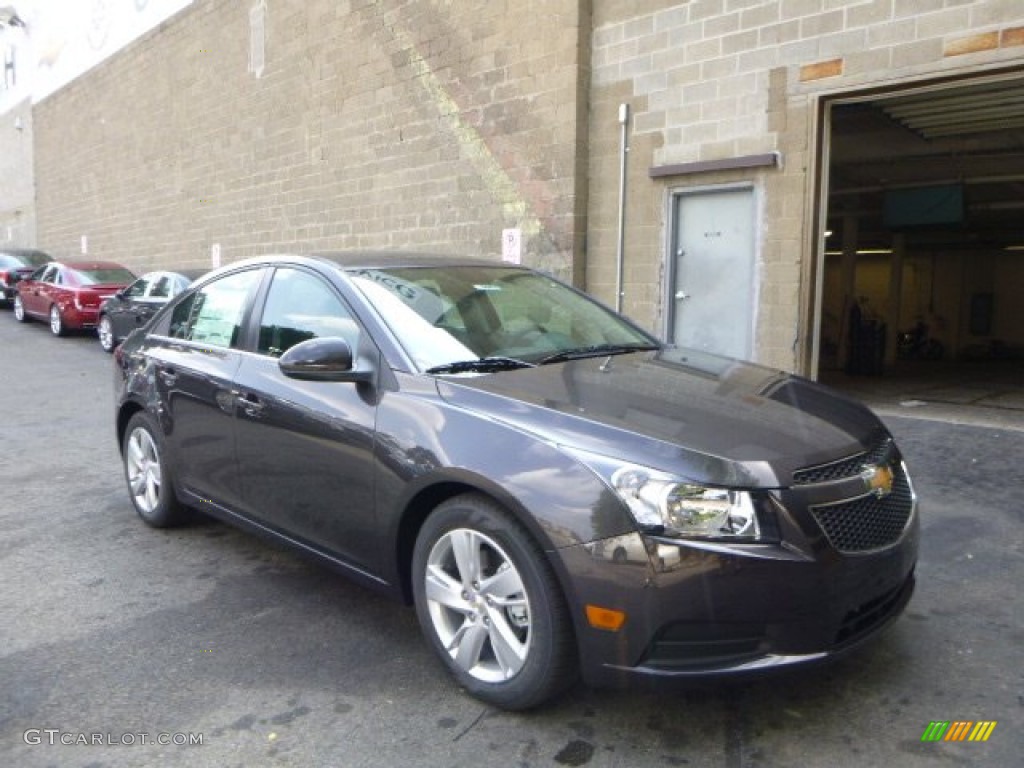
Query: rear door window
[[214, 314]]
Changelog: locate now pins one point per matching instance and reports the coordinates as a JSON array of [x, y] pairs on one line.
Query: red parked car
[[68, 296]]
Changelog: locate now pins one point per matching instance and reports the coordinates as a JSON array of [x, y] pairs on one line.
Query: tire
[[505, 635], [149, 479], [56, 321], [19, 310], [105, 332]]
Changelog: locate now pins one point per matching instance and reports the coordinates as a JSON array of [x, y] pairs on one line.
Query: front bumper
[[699, 609]]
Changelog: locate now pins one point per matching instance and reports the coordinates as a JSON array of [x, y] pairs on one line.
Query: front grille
[[869, 522], [848, 467]]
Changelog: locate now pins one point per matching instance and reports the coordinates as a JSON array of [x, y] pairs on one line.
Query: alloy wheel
[[142, 461], [106, 333], [478, 605], [56, 321]]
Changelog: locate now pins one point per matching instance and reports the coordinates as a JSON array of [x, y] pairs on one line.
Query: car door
[[55, 290], [35, 292], [305, 448], [120, 307], [193, 358]]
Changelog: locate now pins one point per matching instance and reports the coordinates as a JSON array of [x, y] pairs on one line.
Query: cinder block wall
[[715, 79], [388, 124], [17, 191]]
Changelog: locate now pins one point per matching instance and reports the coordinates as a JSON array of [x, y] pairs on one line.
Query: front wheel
[[105, 331], [490, 605], [148, 475], [56, 321], [19, 310]]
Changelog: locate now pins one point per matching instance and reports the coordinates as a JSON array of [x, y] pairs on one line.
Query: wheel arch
[[427, 498], [124, 414]]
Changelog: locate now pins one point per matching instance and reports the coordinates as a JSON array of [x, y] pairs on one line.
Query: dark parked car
[[554, 489], [68, 296], [134, 305], [15, 265]]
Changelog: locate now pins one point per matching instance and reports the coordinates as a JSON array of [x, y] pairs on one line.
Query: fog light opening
[[605, 618]]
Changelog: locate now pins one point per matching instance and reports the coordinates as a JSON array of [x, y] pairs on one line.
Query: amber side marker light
[[605, 618]]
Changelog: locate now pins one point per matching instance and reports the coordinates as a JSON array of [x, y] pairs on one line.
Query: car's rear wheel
[[105, 331], [149, 477], [491, 606], [19, 310], [56, 321]]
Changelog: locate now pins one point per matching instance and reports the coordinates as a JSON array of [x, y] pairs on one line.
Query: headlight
[[664, 504], [660, 501]]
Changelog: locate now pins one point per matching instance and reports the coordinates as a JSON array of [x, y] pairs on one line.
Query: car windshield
[[482, 318], [104, 276], [23, 259]]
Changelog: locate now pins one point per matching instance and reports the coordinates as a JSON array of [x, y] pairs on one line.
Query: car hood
[[707, 418]]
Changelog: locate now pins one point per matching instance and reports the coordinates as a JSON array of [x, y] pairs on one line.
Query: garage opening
[[922, 277]]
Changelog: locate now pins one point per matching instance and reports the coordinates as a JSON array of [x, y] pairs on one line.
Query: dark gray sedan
[[553, 489], [134, 305]]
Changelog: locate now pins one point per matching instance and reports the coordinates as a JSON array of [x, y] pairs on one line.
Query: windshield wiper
[[481, 365], [597, 350]]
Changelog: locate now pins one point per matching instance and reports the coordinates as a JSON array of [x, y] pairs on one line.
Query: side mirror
[[323, 359]]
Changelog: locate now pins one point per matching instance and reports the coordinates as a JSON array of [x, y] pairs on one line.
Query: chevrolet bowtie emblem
[[878, 480]]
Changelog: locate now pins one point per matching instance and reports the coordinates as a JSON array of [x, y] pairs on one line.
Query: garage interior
[[923, 282]]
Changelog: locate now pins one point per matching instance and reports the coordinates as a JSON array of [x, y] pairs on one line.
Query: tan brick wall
[[713, 79], [398, 123]]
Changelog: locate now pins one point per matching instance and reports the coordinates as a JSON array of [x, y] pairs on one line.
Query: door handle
[[682, 295], [250, 404], [168, 376]]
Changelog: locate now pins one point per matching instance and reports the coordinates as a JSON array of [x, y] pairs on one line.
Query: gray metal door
[[712, 284]]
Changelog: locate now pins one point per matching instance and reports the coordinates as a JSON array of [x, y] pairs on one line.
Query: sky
[[62, 39]]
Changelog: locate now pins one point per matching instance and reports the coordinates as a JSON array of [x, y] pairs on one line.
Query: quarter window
[[162, 288], [213, 315], [137, 289], [300, 307]]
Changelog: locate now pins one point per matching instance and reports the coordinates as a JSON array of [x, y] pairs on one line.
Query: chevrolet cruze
[[554, 490]]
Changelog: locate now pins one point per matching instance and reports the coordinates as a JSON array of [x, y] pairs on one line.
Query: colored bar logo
[[958, 730]]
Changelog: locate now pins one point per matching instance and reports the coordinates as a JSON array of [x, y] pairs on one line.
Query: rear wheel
[[490, 605], [105, 331], [149, 477], [56, 321], [19, 310]]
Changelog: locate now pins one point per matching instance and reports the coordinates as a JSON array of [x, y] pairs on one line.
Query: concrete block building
[[746, 176]]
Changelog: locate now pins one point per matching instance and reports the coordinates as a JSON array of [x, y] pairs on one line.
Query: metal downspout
[[621, 248]]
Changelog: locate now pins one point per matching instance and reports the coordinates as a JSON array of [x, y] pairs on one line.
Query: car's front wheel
[[56, 321], [105, 331], [490, 605], [19, 310], [149, 478]]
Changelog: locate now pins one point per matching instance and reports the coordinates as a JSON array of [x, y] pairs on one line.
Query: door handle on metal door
[[681, 295], [167, 375]]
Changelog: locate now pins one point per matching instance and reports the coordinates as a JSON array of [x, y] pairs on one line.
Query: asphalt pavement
[[115, 637]]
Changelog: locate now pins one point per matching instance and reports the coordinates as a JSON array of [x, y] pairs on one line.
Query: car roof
[[392, 259], [346, 260], [188, 274], [90, 264], [23, 252]]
